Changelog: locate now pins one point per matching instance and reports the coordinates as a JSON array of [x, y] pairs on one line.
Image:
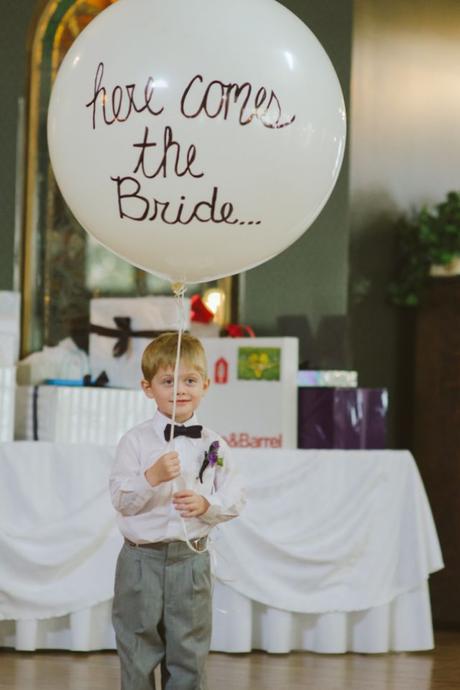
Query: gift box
[[78, 414], [9, 327], [252, 399], [342, 418], [120, 330], [329, 379], [7, 402], [63, 361]]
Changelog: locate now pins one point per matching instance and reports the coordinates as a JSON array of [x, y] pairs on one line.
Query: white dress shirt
[[146, 513]]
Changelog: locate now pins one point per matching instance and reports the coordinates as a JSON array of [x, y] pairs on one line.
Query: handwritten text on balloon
[[166, 156]]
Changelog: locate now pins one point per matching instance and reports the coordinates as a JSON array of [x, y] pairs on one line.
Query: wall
[[405, 152], [13, 38], [303, 291]]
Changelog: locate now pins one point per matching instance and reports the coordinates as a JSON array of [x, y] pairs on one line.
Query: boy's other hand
[[189, 504], [166, 468]]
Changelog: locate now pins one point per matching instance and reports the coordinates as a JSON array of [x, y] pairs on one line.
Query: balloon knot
[[178, 289]]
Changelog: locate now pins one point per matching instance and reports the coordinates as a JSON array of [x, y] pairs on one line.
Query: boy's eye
[[190, 381]]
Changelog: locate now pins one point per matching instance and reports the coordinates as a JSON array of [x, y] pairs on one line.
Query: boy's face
[[191, 387]]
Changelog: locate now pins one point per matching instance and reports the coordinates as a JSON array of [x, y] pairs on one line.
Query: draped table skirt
[[332, 553], [241, 625]]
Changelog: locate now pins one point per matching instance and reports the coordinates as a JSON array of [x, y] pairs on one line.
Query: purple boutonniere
[[211, 458]]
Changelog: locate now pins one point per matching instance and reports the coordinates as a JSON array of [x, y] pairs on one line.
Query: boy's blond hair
[[161, 354]]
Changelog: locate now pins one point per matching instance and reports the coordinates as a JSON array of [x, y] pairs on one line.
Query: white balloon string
[[175, 385], [179, 292]]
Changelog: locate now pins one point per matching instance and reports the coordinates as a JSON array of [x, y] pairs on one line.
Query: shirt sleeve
[[129, 489], [228, 498]]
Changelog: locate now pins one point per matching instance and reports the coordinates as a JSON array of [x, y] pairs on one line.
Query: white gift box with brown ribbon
[[120, 330]]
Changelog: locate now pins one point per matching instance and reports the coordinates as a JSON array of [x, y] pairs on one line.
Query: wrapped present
[[120, 330], [63, 361], [9, 327], [252, 400], [342, 417], [199, 312], [78, 414], [204, 330], [7, 402], [327, 378]]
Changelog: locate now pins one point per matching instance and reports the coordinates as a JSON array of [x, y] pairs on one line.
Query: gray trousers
[[162, 614]]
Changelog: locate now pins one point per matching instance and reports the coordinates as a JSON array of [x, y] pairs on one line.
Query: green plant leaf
[[432, 236]]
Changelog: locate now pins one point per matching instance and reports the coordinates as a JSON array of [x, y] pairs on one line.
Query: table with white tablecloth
[[331, 554]]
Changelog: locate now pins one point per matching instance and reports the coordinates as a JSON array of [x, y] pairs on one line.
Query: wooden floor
[[437, 670]]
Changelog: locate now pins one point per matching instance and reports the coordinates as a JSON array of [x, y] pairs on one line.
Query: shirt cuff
[[145, 484], [213, 513]]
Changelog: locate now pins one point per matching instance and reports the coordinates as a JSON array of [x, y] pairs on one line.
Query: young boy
[[162, 602]]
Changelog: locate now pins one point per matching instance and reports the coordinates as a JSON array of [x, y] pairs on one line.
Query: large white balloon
[[196, 138]]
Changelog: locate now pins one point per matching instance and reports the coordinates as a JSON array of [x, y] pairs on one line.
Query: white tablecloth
[[332, 553]]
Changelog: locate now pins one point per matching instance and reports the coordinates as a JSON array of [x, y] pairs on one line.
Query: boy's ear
[[147, 388], [206, 384]]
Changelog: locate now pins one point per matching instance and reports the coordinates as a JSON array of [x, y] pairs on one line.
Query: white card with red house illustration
[[252, 400]]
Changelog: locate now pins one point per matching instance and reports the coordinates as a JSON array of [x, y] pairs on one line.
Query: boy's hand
[[166, 468], [189, 504]]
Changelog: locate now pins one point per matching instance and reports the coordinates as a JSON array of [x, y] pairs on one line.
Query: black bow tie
[[193, 431]]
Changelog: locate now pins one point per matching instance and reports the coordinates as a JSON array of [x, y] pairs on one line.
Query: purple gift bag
[[342, 418]]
